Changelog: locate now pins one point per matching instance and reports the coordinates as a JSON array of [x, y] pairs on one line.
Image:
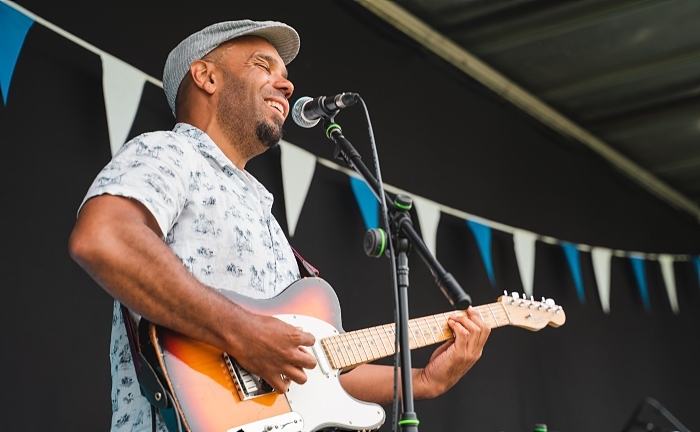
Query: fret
[[390, 331], [340, 349], [415, 341], [362, 344], [478, 309], [367, 334], [345, 358], [353, 347], [416, 326], [388, 351], [328, 352], [387, 340], [347, 349], [439, 327], [494, 316], [337, 351], [427, 324], [380, 345], [348, 346], [508, 318], [428, 331], [376, 342], [447, 331]]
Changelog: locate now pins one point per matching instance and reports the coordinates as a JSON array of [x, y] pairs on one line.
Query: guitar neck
[[348, 350]]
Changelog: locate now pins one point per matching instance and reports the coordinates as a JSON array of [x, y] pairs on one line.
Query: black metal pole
[[444, 280]]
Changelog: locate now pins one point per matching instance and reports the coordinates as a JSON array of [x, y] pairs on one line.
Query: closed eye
[[264, 66], [269, 62]]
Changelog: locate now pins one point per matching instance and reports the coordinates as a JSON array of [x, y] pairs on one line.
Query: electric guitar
[[213, 393]]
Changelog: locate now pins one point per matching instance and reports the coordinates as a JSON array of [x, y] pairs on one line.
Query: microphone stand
[[404, 235]]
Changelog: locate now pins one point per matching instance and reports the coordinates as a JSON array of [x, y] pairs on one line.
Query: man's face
[[253, 102]]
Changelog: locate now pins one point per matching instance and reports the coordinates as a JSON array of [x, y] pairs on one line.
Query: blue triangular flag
[[638, 265], [572, 256], [369, 206], [482, 233], [13, 29]]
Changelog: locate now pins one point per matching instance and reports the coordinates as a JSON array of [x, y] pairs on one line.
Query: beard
[[245, 126], [268, 135]]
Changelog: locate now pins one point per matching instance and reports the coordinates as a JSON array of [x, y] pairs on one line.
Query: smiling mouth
[[276, 105]]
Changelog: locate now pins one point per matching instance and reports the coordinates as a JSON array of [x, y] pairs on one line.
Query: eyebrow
[[272, 59]]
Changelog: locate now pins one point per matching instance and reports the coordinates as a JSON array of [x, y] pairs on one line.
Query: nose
[[285, 86]]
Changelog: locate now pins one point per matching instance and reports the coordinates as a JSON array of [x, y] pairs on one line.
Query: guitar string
[[352, 345]]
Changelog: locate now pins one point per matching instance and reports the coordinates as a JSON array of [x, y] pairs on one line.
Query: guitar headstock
[[532, 314]]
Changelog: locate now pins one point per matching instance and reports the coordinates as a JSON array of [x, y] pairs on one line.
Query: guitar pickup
[[248, 384], [287, 422]]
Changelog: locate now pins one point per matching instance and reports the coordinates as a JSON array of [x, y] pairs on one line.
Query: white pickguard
[[321, 401]]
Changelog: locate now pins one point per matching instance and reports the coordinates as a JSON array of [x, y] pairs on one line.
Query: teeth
[[274, 104]]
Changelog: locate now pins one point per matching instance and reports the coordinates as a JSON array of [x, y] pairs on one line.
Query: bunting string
[[123, 85]]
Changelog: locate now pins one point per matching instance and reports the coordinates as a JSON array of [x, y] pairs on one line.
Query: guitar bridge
[[248, 384]]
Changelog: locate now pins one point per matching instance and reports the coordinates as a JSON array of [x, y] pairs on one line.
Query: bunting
[[524, 243], [666, 262], [123, 86], [369, 206], [14, 27], [572, 257], [601, 258], [298, 167], [482, 234], [428, 219], [639, 268]]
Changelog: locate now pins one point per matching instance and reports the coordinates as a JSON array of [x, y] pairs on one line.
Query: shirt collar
[[208, 149]]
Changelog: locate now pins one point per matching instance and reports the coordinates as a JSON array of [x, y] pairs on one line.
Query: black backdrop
[[440, 135]]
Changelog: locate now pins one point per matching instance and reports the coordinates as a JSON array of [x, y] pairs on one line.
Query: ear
[[204, 74]]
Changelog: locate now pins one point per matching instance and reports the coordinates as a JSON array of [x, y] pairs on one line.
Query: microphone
[[307, 112]]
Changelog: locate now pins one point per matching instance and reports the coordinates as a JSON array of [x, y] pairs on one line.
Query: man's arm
[[118, 242], [449, 362]]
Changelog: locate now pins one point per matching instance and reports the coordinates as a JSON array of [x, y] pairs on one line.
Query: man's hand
[[374, 383], [273, 350], [455, 357]]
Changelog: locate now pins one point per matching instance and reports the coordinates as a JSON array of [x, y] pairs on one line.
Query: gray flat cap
[[283, 37]]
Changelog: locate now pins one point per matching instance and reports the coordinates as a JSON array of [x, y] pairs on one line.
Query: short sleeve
[[152, 169]]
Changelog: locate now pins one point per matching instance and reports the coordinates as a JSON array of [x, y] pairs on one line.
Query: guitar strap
[[145, 357], [305, 269], [150, 381]]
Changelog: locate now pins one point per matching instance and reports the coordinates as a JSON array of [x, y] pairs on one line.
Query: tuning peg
[[550, 302], [515, 295]]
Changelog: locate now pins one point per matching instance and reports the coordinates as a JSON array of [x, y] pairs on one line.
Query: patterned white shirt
[[217, 220]]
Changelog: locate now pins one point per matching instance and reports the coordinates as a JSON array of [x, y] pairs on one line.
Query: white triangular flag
[[122, 85], [428, 218], [524, 243], [298, 168], [666, 262], [600, 258]]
